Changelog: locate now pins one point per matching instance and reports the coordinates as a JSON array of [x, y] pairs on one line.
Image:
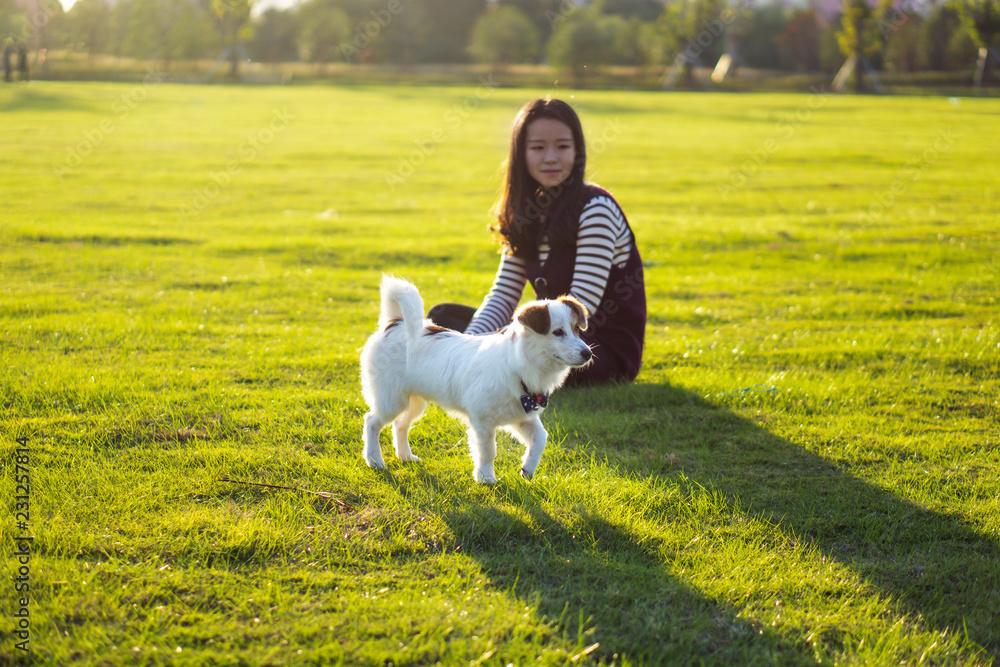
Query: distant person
[[563, 236], [22, 61], [8, 56]]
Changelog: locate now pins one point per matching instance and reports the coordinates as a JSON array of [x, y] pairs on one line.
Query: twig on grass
[[585, 652], [321, 494]]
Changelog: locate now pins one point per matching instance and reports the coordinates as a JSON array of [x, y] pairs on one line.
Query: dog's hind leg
[[483, 446], [385, 407], [401, 428], [373, 451], [533, 434]]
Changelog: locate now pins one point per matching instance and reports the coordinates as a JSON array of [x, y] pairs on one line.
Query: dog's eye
[[559, 332]]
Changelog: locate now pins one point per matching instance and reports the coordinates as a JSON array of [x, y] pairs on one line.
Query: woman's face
[[550, 151]]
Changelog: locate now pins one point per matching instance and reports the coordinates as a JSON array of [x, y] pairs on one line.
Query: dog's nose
[[587, 353]]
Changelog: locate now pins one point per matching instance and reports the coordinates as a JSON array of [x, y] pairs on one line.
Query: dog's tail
[[401, 301]]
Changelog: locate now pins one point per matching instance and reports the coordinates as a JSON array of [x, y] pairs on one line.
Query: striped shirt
[[603, 240]]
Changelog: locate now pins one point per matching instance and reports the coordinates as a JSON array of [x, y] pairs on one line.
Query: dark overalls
[[615, 332]]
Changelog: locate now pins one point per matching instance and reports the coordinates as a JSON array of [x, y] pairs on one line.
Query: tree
[[39, 22], [502, 36], [586, 38], [326, 33], [981, 19], [578, 43], [546, 15], [275, 37], [800, 41], [860, 36], [621, 38], [441, 27], [632, 44], [694, 28], [902, 50], [90, 25], [944, 43], [12, 20], [766, 25], [232, 17], [645, 11], [167, 29]]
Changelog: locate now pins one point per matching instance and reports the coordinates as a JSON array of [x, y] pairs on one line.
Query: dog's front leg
[[483, 446], [533, 434]]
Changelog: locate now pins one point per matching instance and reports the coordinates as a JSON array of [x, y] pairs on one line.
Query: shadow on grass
[[24, 97], [601, 586], [932, 565]]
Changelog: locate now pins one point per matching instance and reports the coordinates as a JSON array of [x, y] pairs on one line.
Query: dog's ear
[[535, 316], [579, 311]]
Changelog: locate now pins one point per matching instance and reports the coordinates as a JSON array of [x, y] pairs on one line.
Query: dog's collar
[[531, 401]]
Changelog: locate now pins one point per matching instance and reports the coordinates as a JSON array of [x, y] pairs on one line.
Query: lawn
[[806, 470]]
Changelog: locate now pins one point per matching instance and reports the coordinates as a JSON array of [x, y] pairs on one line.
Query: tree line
[[898, 35]]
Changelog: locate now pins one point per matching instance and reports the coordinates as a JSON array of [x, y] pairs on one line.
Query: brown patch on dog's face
[[535, 316], [579, 312]]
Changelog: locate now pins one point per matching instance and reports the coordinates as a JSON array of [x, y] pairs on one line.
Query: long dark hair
[[525, 210]]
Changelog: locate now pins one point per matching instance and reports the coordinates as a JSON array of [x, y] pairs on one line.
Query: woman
[[564, 236]]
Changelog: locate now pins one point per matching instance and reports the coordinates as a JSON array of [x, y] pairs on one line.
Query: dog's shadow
[[940, 572]]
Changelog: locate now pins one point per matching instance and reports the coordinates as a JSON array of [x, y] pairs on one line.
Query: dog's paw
[[484, 478], [375, 464], [410, 458], [527, 475]]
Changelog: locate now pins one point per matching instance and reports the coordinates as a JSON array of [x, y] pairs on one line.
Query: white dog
[[499, 380]]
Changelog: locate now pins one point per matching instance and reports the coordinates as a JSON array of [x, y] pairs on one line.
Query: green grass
[[805, 471]]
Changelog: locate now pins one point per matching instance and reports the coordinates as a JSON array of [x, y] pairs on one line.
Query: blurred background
[[874, 45]]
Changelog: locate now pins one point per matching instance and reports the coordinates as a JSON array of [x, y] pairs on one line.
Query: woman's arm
[[498, 307], [602, 241]]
